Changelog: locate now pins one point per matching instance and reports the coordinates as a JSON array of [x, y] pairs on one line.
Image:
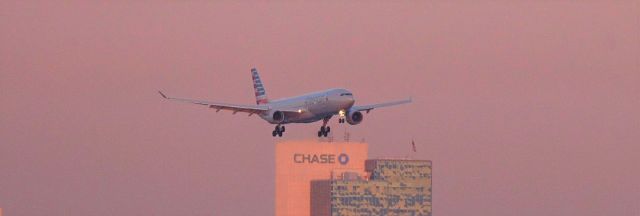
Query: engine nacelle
[[354, 117], [276, 117]]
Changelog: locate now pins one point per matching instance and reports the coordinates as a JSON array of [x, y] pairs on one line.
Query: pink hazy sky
[[526, 108]]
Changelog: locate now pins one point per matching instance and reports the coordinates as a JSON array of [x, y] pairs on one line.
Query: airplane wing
[[251, 109], [368, 108]]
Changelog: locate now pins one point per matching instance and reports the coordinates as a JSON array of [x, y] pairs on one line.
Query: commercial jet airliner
[[306, 108]]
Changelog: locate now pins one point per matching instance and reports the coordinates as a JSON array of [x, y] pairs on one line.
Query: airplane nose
[[351, 101]]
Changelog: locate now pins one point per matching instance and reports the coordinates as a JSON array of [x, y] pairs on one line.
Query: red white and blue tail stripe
[[261, 95]]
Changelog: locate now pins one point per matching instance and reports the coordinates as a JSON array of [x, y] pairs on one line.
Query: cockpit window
[[344, 94]]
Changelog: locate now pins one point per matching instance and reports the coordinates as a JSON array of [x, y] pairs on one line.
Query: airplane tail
[[261, 94]]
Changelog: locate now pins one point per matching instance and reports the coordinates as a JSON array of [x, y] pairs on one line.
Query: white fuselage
[[313, 106]]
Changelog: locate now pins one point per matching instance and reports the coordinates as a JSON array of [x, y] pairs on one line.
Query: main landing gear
[[324, 130], [278, 131]]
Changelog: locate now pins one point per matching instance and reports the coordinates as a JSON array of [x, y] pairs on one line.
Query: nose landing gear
[[278, 131], [342, 115]]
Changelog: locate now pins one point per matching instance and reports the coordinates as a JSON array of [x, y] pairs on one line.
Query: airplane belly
[[316, 108], [306, 117]]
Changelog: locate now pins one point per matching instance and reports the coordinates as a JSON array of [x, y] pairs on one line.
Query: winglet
[[164, 96]]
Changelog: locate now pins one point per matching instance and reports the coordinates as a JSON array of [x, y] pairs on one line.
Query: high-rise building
[[327, 178], [390, 187], [298, 163]]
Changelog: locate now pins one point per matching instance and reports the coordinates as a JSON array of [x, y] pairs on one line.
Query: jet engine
[[354, 117], [276, 117]]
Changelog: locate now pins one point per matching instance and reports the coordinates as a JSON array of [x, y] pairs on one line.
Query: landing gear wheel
[[278, 131], [324, 131]]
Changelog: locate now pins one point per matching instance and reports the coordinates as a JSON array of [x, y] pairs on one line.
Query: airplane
[[306, 108]]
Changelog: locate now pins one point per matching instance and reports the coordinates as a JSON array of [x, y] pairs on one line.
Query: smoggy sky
[[526, 108]]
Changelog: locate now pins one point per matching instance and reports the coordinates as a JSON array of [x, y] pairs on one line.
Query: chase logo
[[343, 158]]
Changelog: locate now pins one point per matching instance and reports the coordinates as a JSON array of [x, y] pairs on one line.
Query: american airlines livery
[[306, 108]]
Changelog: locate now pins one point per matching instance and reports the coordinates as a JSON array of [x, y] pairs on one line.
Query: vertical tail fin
[[261, 94]]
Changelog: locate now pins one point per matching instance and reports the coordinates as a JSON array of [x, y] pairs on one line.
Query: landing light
[[341, 113], [299, 110]]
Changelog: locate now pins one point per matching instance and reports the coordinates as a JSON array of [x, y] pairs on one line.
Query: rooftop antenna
[[414, 150], [413, 145]]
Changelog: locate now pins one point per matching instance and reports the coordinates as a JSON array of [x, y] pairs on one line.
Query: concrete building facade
[[298, 163], [320, 179], [392, 187]]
